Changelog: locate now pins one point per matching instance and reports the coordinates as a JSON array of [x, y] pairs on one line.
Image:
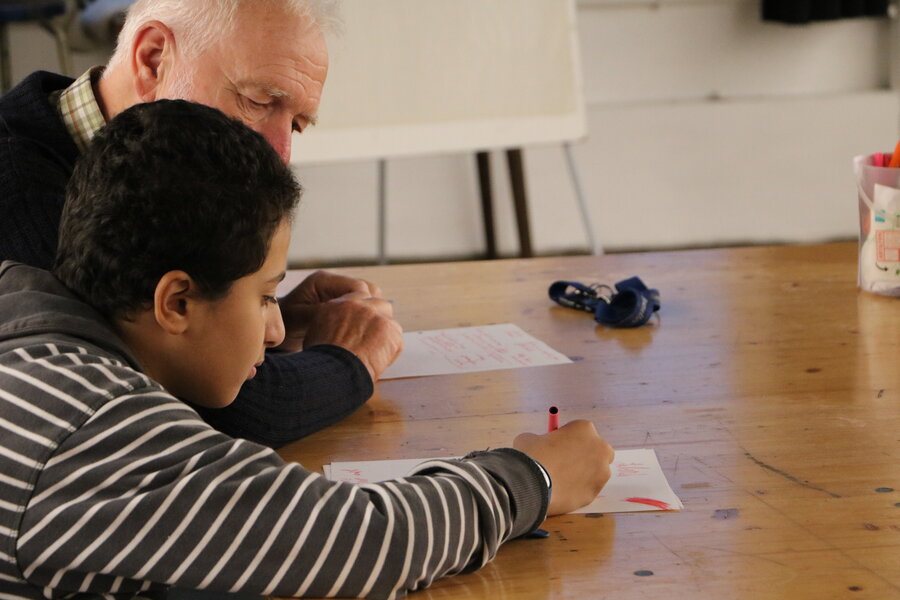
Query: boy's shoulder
[[53, 387], [76, 367]]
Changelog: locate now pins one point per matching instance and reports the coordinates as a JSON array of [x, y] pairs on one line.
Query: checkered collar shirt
[[79, 109]]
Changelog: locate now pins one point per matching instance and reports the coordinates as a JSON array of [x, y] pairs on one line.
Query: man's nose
[[279, 137], [284, 151]]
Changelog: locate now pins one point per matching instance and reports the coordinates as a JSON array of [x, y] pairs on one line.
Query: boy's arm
[[145, 492]]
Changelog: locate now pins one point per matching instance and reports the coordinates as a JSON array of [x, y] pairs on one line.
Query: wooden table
[[768, 387]]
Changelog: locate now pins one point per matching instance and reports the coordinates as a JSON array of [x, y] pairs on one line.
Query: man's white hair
[[198, 24]]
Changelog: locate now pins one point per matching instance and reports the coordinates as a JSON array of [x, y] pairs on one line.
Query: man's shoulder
[[37, 156], [40, 84], [28, 121]]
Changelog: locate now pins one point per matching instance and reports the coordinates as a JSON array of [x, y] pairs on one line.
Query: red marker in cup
[[552, 419]]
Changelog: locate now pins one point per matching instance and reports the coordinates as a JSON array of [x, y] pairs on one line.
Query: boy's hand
[[577, 459], [300, 307], [362, 324]]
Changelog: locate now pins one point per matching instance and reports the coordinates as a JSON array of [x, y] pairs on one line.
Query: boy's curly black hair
[[170, 185]]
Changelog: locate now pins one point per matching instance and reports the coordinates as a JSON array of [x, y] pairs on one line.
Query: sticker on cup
[[879, 256]]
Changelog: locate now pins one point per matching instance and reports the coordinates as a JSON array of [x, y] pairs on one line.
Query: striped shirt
[[79, 109], [112, 487]]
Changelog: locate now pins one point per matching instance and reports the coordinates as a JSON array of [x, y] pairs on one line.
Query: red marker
[[552, 419]]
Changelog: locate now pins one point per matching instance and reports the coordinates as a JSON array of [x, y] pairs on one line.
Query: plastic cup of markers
[[876, 273]]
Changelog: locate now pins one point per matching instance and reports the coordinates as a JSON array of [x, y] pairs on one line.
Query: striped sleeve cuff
[[524, 482]]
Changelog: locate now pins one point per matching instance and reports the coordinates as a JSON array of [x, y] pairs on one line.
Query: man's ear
[[173, 301], [152, 54]]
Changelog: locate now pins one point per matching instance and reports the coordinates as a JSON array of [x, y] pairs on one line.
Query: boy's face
[[228, 337]]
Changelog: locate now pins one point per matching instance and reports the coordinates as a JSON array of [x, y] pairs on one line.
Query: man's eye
[[254, 104]]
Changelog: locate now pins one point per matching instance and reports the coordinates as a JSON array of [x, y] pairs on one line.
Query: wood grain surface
[[768, 386]]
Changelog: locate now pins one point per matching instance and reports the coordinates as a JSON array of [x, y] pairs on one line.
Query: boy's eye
[[270, 299]]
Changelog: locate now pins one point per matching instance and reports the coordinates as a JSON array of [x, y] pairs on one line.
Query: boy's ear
[[152, 54], [175, 292]]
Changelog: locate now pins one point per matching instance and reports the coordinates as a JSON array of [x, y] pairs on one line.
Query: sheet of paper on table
[[470, 349], [637, 483]]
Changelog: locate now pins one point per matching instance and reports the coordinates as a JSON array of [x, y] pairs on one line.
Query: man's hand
[[300, 306], [362, 324], [577, 459]]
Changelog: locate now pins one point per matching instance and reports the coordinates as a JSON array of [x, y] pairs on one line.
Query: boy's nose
[[274, 327]]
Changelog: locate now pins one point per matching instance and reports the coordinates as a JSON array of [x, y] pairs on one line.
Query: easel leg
[[483, 160], [520, 200], [382, 212]]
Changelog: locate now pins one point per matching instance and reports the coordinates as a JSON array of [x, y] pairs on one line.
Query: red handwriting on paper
[[350, 476], [487, 347], [650, 502], [631, 469]]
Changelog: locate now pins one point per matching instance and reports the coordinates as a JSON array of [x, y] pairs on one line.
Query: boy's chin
[[216, 400], [217, 405], [207, 392]]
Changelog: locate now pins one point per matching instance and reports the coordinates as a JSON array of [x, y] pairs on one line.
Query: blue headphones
[[630, 304]]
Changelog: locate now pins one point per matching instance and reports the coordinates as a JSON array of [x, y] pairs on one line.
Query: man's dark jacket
[[291, 396]]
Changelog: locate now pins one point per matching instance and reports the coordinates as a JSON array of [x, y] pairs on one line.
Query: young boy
[[173, 240]]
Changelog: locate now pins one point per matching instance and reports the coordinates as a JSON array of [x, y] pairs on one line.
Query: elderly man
[[263, 62]]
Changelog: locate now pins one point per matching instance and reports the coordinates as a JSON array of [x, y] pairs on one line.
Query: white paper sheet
[[469, 349], [292, 279], [637, 483]]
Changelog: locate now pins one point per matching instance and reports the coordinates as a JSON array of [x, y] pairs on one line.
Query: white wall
[[706, 126]]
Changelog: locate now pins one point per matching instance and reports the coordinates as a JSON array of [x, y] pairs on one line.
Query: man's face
[[269, 74], [228, 337]]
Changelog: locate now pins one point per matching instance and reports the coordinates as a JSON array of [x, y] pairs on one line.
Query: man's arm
[[350, 338], [145, 492], [294, 395]]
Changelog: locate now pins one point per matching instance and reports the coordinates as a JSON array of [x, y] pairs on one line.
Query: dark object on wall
[[52, 15], [101, 20], [804, 11]]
